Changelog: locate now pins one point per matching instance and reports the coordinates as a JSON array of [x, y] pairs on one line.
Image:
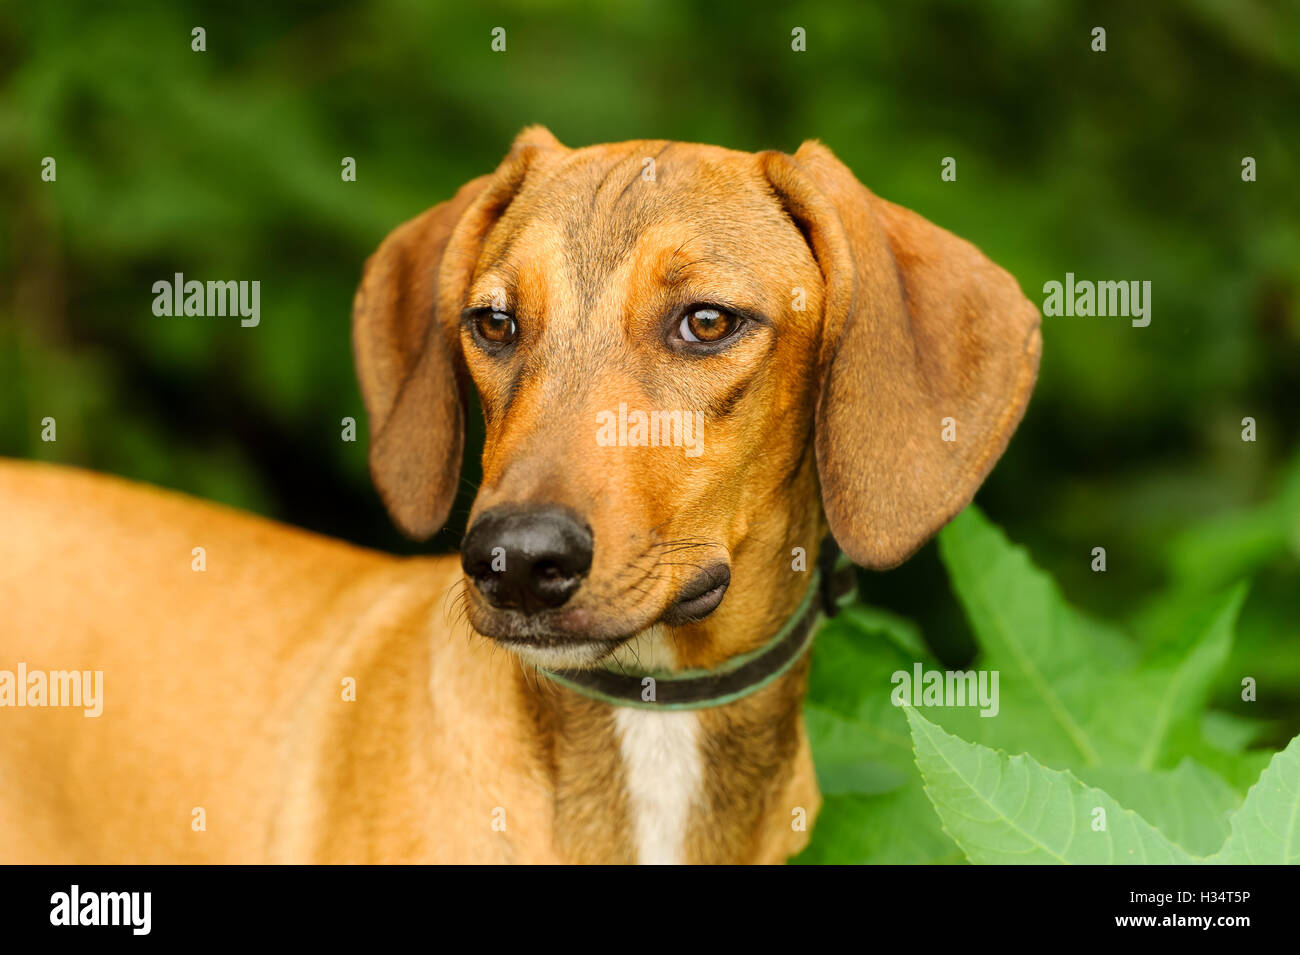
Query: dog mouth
[[559, 641], [700, 597], [577, 635], [585, 637], [561, 652]]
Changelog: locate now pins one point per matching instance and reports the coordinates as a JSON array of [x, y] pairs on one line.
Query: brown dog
[[680, 351]]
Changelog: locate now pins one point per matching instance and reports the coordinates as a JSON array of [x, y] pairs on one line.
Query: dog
[[613, 669]]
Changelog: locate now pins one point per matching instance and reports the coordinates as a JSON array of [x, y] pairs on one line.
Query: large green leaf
[[1073, 691], [1050, 658], [874, 809], [1010, 809], [1233, 545], [848, 712], [893, 828], [1169, 689], [848, 753], [1190, 804], [1266, 829]]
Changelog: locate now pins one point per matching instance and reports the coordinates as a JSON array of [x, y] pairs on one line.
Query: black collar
[[831, 585]]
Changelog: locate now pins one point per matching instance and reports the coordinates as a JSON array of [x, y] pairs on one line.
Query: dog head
[[680, 350]]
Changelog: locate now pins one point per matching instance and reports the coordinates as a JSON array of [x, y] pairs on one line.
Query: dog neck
[[628, 680], [730, 782]]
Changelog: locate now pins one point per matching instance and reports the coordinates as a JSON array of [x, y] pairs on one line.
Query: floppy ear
[[405, 333], [919, 328]]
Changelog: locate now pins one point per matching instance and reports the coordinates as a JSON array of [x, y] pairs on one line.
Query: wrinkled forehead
[[593, 208]]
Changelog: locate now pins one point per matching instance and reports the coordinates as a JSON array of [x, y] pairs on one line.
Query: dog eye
[[497, 327], [706, 324]]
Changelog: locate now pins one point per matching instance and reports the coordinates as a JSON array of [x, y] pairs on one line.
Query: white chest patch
[[664, 772]]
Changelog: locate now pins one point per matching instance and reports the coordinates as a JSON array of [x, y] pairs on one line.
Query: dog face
[[674, 347], [646, 383]]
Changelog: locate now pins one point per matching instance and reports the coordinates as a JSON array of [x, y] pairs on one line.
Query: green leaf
[[1239, 769], [846, 754], [848, 710], [1266, 829], [1072, 690], [1049, 656], [1171, 687], [1009, 809], [1230, 732], [1123, 721], [894, 828], [1190, 804], [874, 808], [1233, 545]]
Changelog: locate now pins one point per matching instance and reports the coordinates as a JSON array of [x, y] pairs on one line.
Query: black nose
[[526, 559]]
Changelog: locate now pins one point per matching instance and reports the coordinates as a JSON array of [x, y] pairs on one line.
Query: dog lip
[[551, 630], [700, 597], [559, 641]]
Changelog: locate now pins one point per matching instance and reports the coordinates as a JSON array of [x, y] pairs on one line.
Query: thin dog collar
[[831, 586]]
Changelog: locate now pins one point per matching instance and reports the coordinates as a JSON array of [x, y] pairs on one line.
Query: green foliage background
[[1116, 165]]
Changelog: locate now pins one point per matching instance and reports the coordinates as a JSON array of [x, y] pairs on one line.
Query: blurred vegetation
[[1117, 165]]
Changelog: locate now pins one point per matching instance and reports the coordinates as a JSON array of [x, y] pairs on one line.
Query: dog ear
[[405, 333], [929, 353]]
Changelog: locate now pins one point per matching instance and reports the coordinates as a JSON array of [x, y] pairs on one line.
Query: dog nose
[[526, 560]]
